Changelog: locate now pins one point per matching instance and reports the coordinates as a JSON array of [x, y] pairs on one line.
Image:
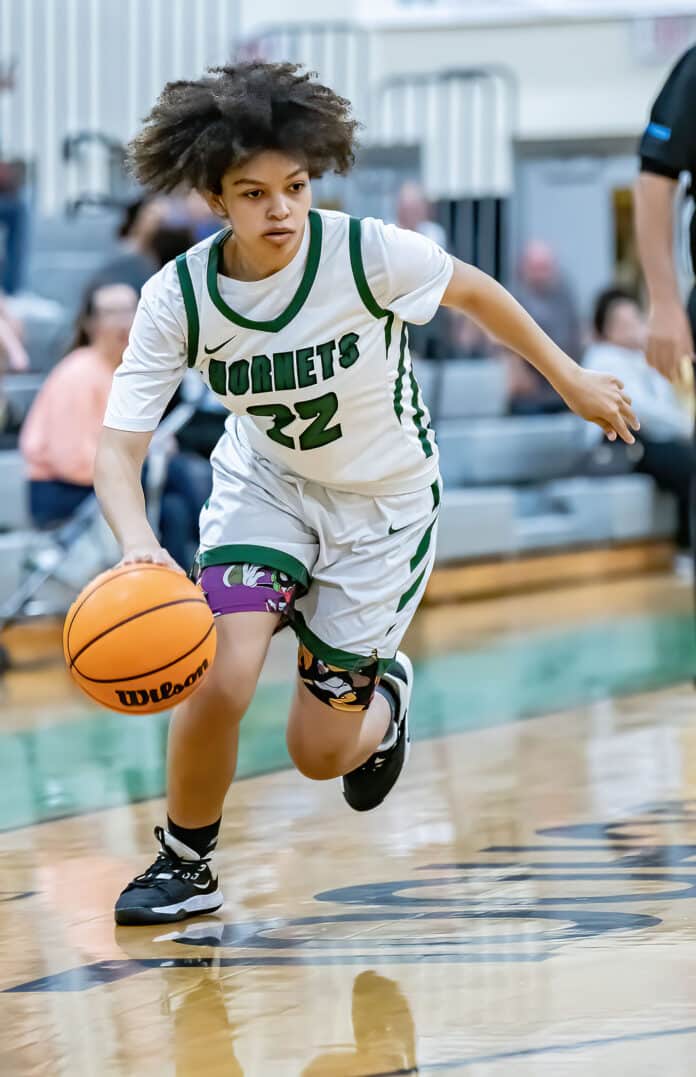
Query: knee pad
[[342, 689]]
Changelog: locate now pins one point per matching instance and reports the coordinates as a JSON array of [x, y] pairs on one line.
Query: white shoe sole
[[197, 903], [406, 691]]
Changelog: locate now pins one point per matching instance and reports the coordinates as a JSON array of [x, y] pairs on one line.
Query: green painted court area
[[100, 759]]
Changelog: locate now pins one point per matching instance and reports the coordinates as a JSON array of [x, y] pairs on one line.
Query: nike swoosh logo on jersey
[[395, 530], [211, 351]]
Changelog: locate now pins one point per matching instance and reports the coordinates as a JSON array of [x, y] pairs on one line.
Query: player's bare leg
[[364, 740], [201, 764], [204, 734], [326, 743]]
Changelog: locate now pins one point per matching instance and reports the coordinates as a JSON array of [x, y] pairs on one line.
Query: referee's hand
[[670, 341]]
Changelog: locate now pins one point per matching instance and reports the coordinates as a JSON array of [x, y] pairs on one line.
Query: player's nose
[[279, 209]]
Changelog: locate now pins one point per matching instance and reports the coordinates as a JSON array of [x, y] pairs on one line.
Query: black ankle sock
[[202, 839]]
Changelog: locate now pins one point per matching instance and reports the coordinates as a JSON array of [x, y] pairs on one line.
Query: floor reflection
[[385, 1038]]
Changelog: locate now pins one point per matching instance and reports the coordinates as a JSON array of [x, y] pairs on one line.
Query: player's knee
[[316, 763], [224, 696]]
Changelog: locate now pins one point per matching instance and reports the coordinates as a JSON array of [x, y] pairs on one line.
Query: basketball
[[139, 638]]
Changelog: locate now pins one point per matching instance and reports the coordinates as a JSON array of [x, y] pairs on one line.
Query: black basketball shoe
[[367, 786], [179, 884]]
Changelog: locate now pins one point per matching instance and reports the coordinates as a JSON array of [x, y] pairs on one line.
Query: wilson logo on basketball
[[166, 690]]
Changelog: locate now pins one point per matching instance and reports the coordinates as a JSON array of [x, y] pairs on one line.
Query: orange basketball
[[139, 638]]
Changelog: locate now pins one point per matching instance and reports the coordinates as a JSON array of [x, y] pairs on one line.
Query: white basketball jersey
[[326, 388]]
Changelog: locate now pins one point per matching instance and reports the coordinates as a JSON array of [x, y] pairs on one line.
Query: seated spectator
[[59, 437], [413, 211], [543, 292], [13, 355], [468, 340], [665, 423], [151, 235], [136, 260]]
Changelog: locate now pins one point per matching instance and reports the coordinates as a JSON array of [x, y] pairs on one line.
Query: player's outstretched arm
[[599, 398], [119, 464]]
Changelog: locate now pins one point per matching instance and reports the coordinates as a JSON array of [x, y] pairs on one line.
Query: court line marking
[[527, 1052]]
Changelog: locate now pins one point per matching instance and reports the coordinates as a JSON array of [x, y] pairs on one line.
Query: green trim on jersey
[[401, 370], [332, 655], [189, 295], [418, 414], [241, 554], [356, 264], [435, 490], [297, 301], [360, 278]]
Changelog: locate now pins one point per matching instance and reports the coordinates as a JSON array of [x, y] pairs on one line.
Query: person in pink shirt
[[59, 437]]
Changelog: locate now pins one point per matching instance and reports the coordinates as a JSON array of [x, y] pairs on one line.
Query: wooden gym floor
[[523, 904]]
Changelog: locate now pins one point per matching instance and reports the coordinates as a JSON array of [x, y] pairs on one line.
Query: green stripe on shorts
[[408, 595], [332, 655]]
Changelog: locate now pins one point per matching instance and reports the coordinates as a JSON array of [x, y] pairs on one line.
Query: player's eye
[[298, 186], [253, 194]]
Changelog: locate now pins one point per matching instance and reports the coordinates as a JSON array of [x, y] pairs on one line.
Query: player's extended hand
[[152, 555], [600, 398], [670, 340]]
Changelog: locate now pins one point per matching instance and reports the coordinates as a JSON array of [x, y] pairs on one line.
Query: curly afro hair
[[198, 130]]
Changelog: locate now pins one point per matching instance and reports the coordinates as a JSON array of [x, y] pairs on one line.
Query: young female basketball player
[[326, 487]]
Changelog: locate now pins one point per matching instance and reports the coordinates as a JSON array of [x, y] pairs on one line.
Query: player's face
[[266, 200]]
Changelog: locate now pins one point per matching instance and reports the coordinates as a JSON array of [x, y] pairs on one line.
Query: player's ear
[[214, 203]]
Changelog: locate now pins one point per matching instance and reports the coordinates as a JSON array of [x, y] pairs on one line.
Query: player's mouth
[[279, 235]]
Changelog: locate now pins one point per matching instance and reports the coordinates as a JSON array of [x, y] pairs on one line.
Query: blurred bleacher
[[514, 486]]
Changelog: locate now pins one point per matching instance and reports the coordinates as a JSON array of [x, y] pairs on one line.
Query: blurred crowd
[[59, 435], [612, 339]]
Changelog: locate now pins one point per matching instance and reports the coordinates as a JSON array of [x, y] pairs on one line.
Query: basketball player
[[326, 486]]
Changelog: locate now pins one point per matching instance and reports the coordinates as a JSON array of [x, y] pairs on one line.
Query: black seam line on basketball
[[133, 617], [122, 572], [149, 672]]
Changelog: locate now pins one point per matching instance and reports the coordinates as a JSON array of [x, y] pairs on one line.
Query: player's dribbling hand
[[670, 341], [601, 399], [151, 555]]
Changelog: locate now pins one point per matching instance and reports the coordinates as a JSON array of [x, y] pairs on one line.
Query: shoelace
[[168, 863]]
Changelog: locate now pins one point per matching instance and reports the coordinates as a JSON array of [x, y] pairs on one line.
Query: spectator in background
[[413, 211], [468, 340], [665, 422], [137, 258], [191, 211], [14, 213], [543, 292], [59, 437], [13, 355]]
